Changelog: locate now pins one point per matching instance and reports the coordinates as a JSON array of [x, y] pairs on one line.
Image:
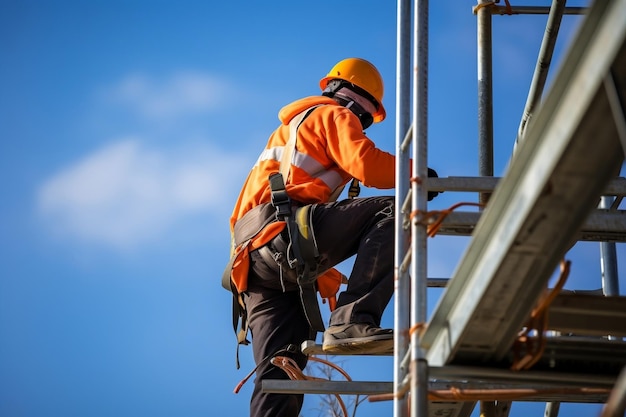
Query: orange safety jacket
[[330, 151]]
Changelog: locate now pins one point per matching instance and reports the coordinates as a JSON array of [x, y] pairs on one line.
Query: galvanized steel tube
[[485, 93], [419, 366], [543, 65], [402, 282], [608, 259]]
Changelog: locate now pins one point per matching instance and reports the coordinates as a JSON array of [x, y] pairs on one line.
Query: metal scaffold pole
[[608, 258], [543, 65], [419, 280], [402, 299], [485, 116], [485, 93]]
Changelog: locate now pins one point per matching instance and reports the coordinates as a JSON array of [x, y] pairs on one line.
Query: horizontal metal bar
[[615, 187], [588, 315], [437, 282], [600, 226], [462, 183], [486, 390], [516, 379], [284, 386], [544, 391], [517, 10]]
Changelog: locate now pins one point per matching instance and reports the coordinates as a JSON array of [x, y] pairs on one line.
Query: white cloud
[[182, 93], [126, 194]]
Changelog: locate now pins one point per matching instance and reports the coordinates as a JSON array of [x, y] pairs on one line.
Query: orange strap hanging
[[508, 8], [438, 216], [538, 321], [291, 368]]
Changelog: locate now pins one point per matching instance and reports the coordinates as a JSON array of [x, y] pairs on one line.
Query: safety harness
[[302, 254]]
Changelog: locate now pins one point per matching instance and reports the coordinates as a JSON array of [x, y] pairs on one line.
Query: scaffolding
[[497, 334]]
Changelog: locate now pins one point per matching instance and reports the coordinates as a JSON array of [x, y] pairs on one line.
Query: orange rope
[[538, 321], [545, 303], [419, 327], [508, 9], [332, 365], [481, 5], [439, 216], [291, 368], [459, 394]]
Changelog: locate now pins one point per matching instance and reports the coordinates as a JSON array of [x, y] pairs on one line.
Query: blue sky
[[126, 130]]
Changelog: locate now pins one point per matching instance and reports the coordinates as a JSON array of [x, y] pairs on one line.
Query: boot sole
[[360, 345]]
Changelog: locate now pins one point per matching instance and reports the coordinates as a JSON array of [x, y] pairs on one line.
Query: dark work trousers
[[363, 227]]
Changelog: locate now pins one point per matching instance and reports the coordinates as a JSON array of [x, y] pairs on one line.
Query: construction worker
[[330, 150]]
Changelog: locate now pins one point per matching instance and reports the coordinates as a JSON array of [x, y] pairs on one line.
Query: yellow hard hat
[[362, 74]]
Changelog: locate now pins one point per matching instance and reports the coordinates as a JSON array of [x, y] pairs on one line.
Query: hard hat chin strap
[[365, 117], [335, 85], [359, 101], [332, 87]]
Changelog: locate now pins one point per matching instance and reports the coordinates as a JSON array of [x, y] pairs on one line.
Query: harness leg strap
[[308, 297], [307, 271]]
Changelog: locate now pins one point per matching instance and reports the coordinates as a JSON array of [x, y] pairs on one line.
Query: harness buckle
[[280, 199]]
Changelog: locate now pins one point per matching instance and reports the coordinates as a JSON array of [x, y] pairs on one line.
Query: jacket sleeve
[[356, 154]]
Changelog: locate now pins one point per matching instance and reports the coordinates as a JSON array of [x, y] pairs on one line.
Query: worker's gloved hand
[[432, 194]]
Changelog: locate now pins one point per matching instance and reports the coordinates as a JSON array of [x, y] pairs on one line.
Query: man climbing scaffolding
[[288, 232]]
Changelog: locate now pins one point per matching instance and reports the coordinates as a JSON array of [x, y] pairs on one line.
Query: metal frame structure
[[569, 149], [536, 211]]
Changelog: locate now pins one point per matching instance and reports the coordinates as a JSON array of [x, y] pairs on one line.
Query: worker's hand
[[432, 194]]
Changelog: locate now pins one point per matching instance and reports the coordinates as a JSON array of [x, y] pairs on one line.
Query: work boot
[[357, 338]]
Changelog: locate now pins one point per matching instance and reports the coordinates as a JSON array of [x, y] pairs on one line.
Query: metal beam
[[517, 10], [600, 225], [486, 390], [575, 387], [615, 187], [570, 153], [590, 315]]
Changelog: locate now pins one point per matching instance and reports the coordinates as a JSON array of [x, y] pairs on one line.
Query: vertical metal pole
[[608, 253], [485, 117], [419, 366], [487, 409], [608, 261], [402, 300], [543, 65], [552, 409], [485, 94]]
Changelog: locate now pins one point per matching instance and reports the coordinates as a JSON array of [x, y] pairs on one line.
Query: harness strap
[[239, 312], [245, 229], [289, 148], [301, 238], [308, 272]]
